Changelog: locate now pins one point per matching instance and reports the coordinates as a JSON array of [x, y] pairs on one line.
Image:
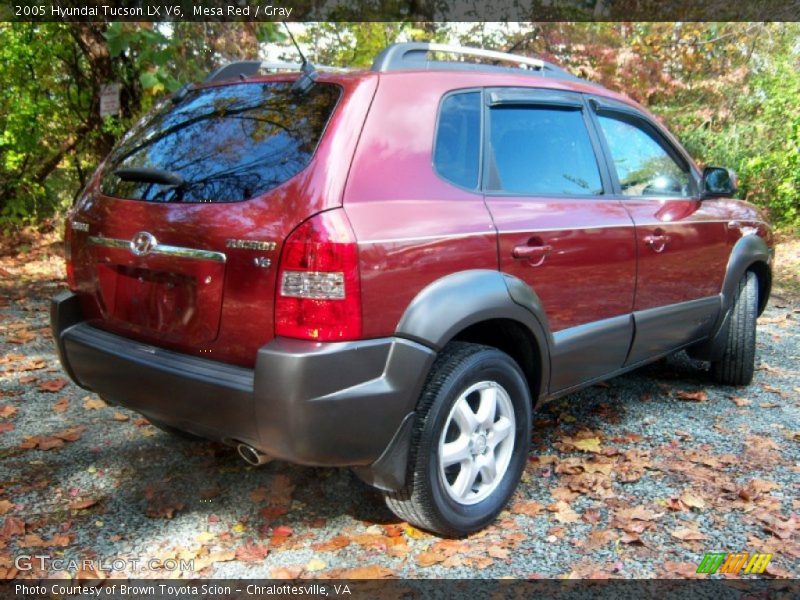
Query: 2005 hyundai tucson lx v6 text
[[389, 269]]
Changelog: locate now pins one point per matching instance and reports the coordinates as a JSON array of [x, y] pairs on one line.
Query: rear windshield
[[221, 144]]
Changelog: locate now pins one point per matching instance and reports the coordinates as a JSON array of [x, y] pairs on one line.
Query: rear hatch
[[182, 228]]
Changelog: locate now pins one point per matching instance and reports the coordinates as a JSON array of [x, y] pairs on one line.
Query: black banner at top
[[399, 10]]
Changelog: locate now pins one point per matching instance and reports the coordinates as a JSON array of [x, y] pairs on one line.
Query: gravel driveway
[[636, 477]]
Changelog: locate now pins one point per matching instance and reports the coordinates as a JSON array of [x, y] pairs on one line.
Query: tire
[[737, 364], [439, 498]]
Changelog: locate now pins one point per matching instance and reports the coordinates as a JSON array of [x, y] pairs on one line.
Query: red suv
[[390, 269]]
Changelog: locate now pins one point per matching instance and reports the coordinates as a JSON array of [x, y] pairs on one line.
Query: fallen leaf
[[62, 405], [53, 385], [83, 504], [251, 552], [497, 552], [414, 533], [563, 512], [282, 531], [686, 534], [203, 562], [5, 506], [6, 411], [587, 445], [692, 501], [31, 540], [591, 515], [22, 336], [6, 427], [34, 541], [773, 390], [118, 416], [740, 402], [12, 526], [683, 570], [698, 396], [331, 545], [73, 434], [393, 530], [529, 508], [203, 537], [292, 572], [315, 564], [50, 443], [597, 538], [163, 511], [93, 403], [428, 559]]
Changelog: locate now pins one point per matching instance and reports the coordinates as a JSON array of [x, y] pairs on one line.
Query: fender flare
[[434, 317], [749, 250], [457, 301]]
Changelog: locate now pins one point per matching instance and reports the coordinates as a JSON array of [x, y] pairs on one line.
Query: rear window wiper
[[149, 175]]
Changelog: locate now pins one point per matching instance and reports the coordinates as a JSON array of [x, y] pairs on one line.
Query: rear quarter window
[[456, 154], [226, 143]]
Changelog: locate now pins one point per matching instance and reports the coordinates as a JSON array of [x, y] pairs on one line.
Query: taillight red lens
[[68, 256], [319, 287]]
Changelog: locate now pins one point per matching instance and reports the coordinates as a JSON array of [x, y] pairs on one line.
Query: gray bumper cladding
[[336, 404]]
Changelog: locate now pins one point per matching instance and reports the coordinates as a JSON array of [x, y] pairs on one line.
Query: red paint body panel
[[244, 310], [590, 271], [695, 234]]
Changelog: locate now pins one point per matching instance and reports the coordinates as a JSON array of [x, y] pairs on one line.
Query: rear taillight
[[319, 287], [68, 255]]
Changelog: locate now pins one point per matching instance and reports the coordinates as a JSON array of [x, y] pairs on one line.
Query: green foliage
[[751, 123], [35, 118]]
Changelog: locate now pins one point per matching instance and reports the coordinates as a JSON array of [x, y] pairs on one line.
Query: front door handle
[[658, 241], [534, 254]]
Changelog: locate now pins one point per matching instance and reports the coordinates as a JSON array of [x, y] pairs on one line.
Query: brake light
[[68, 256], [319, 286]]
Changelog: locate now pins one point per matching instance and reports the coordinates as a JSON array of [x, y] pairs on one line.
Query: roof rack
[[414, 56], [411, 56], [247, 68]]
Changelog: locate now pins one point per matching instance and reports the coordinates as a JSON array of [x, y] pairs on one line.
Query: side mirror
[[718, 182]]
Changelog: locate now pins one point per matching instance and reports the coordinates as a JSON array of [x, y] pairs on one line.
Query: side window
[[644, 167], [456, 155], [541, 150]]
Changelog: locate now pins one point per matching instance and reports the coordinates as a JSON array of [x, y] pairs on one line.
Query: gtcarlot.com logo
[[45, 562]]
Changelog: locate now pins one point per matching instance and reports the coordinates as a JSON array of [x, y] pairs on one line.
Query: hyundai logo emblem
[[143, 243]]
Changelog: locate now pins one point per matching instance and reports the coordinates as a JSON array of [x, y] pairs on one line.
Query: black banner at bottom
[[390, 589]]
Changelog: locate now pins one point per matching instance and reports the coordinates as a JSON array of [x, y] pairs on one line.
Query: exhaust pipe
[[252, 456]]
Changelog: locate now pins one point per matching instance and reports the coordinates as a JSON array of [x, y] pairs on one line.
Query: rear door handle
[[533, 254]]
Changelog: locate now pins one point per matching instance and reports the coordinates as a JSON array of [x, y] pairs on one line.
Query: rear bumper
[[334, 404]]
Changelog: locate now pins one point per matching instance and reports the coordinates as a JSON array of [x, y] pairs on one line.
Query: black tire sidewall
[[487, 365]]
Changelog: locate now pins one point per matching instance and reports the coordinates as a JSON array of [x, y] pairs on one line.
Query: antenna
[[307, 71], [294, 41]]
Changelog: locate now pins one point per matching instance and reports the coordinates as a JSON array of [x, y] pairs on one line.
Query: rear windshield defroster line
[[224, 144]]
